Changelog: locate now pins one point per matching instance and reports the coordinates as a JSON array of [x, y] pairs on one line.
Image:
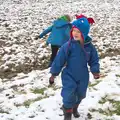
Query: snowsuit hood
[[83, 25]]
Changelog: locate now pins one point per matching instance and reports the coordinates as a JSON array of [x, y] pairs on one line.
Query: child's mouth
[[75, 37]]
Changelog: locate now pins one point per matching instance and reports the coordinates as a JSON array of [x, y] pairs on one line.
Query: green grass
[[117, 75], [103, 99], [28, 102], [116, 104], [38, 91], [54, 87], [21, 92], [3, 111], [109, 112], [94, 84]]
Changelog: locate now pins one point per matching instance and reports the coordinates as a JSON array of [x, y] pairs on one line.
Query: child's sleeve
[[59, 61], [49, 29], [94, 61]]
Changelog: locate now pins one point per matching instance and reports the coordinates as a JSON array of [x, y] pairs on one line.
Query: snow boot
[[67, 113], [75, 111]]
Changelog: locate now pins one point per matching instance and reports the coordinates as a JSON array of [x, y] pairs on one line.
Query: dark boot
[[67, 113], [75, 112]]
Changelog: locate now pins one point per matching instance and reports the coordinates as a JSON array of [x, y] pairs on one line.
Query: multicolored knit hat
[[83, 25]]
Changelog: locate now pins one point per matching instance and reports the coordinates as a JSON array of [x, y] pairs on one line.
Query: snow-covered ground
[[29, 96]]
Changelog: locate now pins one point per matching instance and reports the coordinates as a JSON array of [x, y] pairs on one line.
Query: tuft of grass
[[117, 75], [21, 92], [38, 91], [109, 112], [28, 102], [3, 111], [103, 99], [94, 84], [54, 87], [116, 104]]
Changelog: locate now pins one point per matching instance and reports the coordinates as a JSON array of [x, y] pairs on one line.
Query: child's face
[[77, 35]]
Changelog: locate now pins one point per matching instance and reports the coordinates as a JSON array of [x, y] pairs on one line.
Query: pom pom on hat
[[80, 16], [90, 20]]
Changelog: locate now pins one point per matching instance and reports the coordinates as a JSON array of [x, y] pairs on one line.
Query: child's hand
[[96, 75], [51, 80]]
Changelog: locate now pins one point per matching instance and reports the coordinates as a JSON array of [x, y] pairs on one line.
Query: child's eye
[[76, 31]]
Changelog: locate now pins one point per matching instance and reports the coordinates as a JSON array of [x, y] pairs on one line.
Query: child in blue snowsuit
[[59, 34], [76, 54]]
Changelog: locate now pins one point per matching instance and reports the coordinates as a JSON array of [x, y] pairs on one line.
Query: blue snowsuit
[[59, 32], [75, 75]]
